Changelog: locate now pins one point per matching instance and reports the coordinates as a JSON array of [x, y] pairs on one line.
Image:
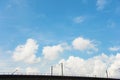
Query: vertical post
[[62, 69], [51, 70], [107, 73]]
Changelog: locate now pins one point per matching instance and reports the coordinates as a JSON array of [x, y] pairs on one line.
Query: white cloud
[[115, 48], [52, 52], [26, 52], [114, 69], [82, 44], [95, 66], [30, 70], [100, 4], [17, 70], [25, 70], [79, 19]]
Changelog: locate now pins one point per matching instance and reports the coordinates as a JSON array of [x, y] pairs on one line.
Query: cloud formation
[[100, 4], [52, 52], [26, 53], [79, 19], [115, 48], [95, 66], [83, 44]]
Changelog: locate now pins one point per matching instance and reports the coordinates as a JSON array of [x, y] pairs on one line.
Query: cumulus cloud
[[114, 68], [52, 52], [95, 66], [100, 4], [82, 44], [79, 19], [26, 52], [115, 48]]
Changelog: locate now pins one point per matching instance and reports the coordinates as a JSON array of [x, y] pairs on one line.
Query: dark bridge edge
[[54, 77]]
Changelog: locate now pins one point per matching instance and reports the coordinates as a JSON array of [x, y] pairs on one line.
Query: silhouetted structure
[[48, 77]]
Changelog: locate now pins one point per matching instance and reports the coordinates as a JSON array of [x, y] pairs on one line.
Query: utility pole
[[62, 69], [51, 70], [107, 73]]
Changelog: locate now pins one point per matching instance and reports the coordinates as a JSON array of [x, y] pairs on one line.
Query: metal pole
[[107, 73], [51, 70], [62, 69]]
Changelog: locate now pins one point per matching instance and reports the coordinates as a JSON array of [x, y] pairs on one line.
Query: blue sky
[[57, 24]]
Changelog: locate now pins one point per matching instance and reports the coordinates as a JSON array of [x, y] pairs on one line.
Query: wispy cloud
[[16, 4], [115, 48], [111, 24], [100, 4], [79, 19]]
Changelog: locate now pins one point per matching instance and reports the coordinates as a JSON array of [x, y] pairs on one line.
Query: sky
[[81, 34]]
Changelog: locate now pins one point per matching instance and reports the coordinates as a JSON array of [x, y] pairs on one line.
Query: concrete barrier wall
[[46, 77]]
